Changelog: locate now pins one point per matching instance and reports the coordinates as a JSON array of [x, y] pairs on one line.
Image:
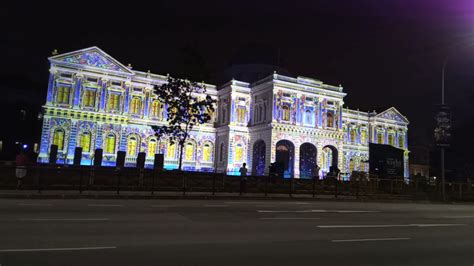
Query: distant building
[[93, 101]]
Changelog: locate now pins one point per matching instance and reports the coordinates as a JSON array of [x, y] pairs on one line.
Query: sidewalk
[[74, 194]]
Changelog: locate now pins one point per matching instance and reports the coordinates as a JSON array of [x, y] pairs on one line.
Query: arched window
[[189, 152], [151, 147], [114, 102], [207, 152], [330, 119], [132, 146], [308, 117], [88, 99], [62, 96], [286, 113], [363, 137], [58, 139], [353, 135], [351, 166], [171, 151], [135, 105], [157, 109], [85, 141], [221, 152], [391, 139], [241, 114], [239, 152], [401, 141], [110, 143], [380, 137]]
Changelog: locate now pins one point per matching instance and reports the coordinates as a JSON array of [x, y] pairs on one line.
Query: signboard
[[385, 160], [442, 132]]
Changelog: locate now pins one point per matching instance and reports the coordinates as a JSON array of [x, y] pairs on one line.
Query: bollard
[[184, 184], [118, 180], [213, 184], [266, 186], [335, 187], [80, 181], [153, 182], [314, 187], [39, 180]]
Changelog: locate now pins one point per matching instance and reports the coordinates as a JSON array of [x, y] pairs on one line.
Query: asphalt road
[[217, 232]]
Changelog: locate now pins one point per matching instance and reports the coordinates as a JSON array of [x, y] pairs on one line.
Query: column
[[127, 87], [103, 90], [77, 90], [72, 140], [51, 82], [146, 104]]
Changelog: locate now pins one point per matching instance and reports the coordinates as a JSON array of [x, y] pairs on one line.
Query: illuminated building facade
[[93, 101]]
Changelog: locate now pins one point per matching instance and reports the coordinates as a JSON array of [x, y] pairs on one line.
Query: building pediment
[[92, 57], [393, 114]]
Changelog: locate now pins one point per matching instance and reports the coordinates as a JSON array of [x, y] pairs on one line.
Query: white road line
[[278, 211], [65, 219], [34, 204], [105, 205], [370, 239], [53, 249], [458, 217], [289, 218], [216, 205], [164, 206], [386, 225], [348, 211], [318, 211]]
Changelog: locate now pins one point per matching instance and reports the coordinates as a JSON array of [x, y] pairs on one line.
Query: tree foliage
[[187, 105]]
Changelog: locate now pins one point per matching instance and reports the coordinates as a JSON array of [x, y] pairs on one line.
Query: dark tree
[[187, 105]]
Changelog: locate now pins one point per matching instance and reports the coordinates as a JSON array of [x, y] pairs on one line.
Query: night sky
[[384, 53]]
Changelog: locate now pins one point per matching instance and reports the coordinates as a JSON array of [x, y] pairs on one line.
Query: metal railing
[[87, 178]]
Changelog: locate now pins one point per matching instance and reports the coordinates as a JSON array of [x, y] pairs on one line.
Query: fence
[[82, 178]]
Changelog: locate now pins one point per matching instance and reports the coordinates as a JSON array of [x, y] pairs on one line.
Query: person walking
[[243, 178], [21, 162]]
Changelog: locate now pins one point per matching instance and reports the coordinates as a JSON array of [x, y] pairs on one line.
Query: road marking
[[370, 239], [386, 225], [53, 249], [318, 211], [65, 219], [164, 206], [289, 218], [216, 205], [105, 205], [34, 204], [458, 217], [277, 211]]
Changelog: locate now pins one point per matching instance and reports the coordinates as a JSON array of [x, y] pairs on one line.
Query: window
[[132, 146], [63, 95], [260, 113], [330, 119], [351, 166], [58, 139], [88, 99], [221, 153], [151, 147], [157, 109], [308, 117], [224, 114], [391, 139], [110, 143], [363, 137], [114, 102], [135, 105], [353, 135], [189, 152], [286, 113], [171, 151], [241, 114], [239, 152], [207, 152], [401, 141], [379, 137], [85, 141]]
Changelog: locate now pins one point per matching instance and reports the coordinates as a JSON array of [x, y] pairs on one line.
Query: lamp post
[[443, 180]]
